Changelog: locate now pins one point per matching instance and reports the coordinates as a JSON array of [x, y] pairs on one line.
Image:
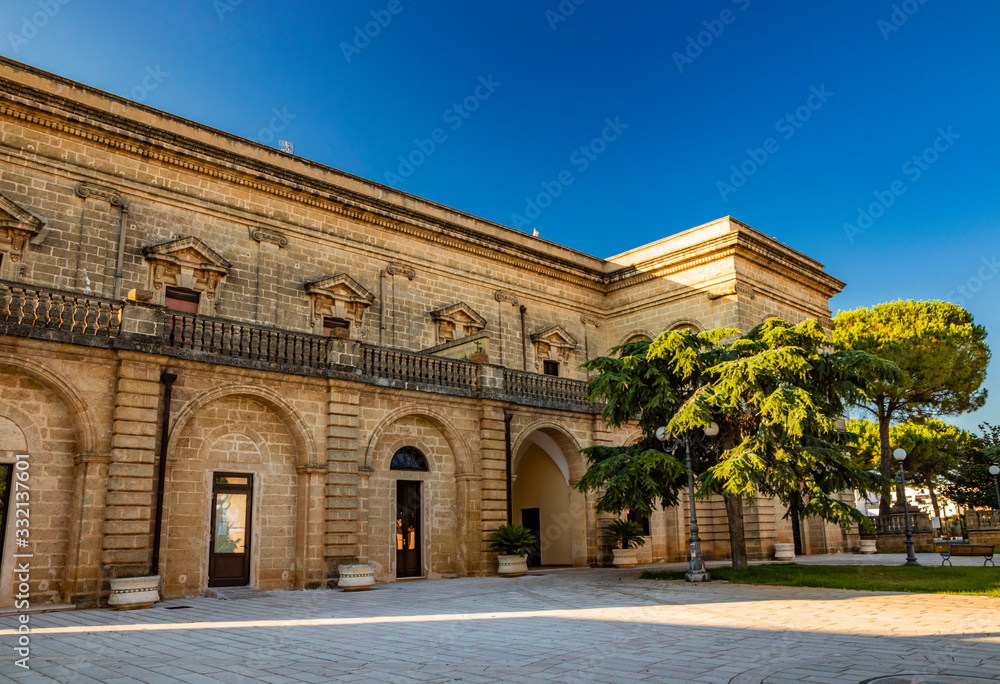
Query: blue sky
[[700, 95]]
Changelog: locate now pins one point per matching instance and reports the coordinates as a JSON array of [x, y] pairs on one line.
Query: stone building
[[343, 360]]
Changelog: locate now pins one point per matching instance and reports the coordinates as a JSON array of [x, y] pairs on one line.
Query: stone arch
[[561, 437], [633, 334], [297, 427], [631, 438], [682, 323], [75, 405], [30, 435], [463, 460], [447, 492]]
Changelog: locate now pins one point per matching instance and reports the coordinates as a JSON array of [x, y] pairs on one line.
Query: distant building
[[342, 358]]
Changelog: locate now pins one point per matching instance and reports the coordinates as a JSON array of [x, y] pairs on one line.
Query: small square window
[[336, 327], [643, 521], [550, 368], [181, 299]]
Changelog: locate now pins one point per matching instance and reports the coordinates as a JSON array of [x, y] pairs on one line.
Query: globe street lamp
[[994, 471], [696, 567], [911, 557]]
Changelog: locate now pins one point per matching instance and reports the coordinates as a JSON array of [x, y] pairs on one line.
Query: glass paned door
[[229, 560], [408, 529]]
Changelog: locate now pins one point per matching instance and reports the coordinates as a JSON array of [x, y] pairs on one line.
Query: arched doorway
[[544, 466]]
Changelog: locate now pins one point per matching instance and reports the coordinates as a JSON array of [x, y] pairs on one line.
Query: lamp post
[[994, 471], [696, 567], [911, 557]]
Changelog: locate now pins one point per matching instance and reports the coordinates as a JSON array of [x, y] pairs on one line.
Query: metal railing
[[244, 340], [42, 307], [423, 369]]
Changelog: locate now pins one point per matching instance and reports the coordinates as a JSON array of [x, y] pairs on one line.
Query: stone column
[[131, 482], [470, 548], [86, 537], [342, 460], [309, 523], [493, 485]]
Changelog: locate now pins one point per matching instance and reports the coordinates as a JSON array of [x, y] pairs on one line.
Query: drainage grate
[[175, 607]]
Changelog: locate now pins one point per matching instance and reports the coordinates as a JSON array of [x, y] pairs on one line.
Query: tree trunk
[[934, 502], [737, 535], [885, 462], [796, 527]]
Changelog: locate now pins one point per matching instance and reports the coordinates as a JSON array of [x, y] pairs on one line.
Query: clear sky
[[789, 116]]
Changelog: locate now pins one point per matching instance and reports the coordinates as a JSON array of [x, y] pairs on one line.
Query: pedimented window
[[552, 344], [338, 304], [186, 265], [456, 321], [17, 227]]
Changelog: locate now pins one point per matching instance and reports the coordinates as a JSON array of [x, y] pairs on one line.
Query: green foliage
[[776, 394], [921, 579], [938, 347], [941, 351], [512, 540], [624, 534], [932, 446], [969, 483]]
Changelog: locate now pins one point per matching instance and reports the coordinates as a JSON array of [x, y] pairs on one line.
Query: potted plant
[[512, 543], [625, 536], [134, 588], [356, 577], [479, 356]]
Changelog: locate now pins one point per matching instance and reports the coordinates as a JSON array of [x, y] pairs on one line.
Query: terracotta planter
[[784, 552], [624, 558], [868, 546], [512, 566], [480, 357], [356, 577], [128, 593]]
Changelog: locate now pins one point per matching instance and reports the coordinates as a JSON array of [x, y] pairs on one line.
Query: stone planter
[[356, 577], [128, 593], [784, 552], [512, 566], [624, 558], [480, 357], [868, 546]]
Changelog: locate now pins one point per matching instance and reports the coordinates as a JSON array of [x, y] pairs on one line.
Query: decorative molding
[[454, 319], [339, 296], [189, 263], [585, 319], [552, 344], [109, 195], [503, 296], [268, 235], [401, 269], [745, 290]]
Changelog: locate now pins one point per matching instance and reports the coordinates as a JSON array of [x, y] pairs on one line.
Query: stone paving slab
[[551, 626]]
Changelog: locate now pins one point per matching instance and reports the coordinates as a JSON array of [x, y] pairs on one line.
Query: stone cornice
[[131, 136]]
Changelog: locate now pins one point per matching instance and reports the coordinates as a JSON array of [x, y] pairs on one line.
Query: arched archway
[[431, 502], [545, 465], [241, 455]]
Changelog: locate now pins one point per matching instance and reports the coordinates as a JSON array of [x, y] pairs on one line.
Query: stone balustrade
[[45, 313], [50, 309]]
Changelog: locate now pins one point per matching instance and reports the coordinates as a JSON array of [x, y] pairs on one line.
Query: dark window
[[336, 327], [181, 299], [643, 521], [550, 368], [409, 458]]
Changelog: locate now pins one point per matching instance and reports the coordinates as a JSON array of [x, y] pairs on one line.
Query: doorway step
[[234, 593]]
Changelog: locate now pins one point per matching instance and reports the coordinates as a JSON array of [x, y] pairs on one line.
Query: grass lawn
[[921, 579]]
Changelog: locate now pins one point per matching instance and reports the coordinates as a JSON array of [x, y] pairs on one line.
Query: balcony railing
[[421, 369], [544, 387], [45, 313], [244, 340], [42, 307]]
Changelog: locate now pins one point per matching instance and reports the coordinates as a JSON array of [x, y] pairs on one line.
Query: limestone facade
[[316, 323]]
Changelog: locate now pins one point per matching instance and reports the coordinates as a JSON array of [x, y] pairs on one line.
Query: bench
[[949, 549]]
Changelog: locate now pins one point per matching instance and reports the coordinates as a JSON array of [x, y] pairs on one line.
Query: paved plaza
[[550, 626]]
